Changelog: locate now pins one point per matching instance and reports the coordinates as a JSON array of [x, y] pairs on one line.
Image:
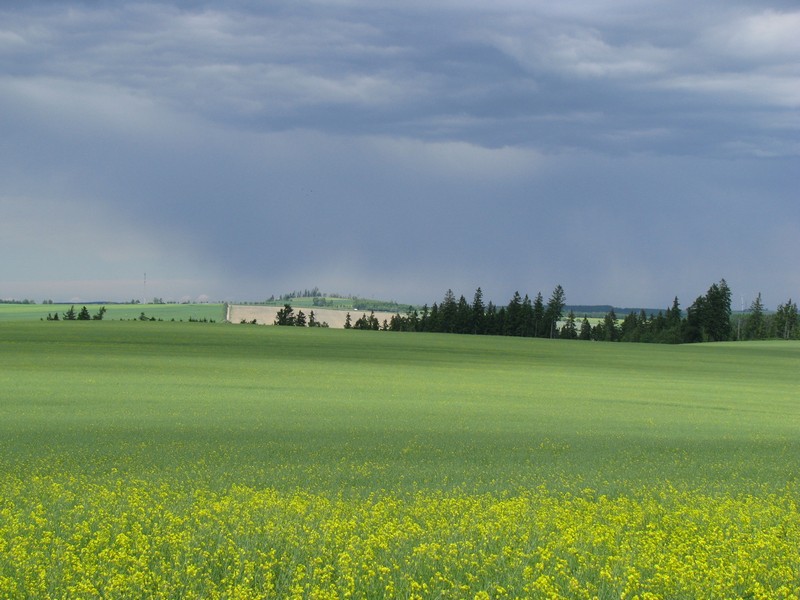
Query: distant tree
[[631, 328], [361, 322], [447, 313], [300, 319], [348, 324], [610, 329], [424, 315], [513, 323], [100, 313], [554, 310], [526, 319], [312, 320], [478, 312], [285, 316], [434, 320], [413, 322], [491, 320], [754, 325], [569, 331], [539, 328], [673, 317], [586, 330], [71, 315], [463, 320], [785, 320], [718, 316]]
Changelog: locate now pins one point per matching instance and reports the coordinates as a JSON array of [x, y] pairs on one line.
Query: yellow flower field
[[69, 537], [147, 460]]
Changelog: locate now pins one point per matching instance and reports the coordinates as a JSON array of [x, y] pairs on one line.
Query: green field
[[185, 460], [166, 312]]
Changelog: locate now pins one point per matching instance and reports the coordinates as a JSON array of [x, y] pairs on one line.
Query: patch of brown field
[[265, 315]]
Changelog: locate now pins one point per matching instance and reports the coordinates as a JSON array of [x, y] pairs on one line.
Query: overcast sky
[[628, 150]]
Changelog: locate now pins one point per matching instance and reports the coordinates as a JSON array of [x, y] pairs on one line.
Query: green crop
[[195, 460]]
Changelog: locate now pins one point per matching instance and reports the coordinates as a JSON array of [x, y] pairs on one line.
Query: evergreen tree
[[610, 329], [694, 330], [463, 320], [785, 320], [434, 319], [586, 330], [754, 326], [554, 310], [412, 320], [674, 314], [84, 315], [300, 319], [423, 319], [539, 328], [284, 316], [526, 318], [630, 329], [348, 322], [478, 312], [447, 313], [718, 315], [709, 318], [71, 315], [570, 330], [100, 314], [513, 321], [490, 320]]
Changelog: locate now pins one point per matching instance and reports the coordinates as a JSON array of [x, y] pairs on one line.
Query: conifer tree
[[554, 310], [570, 330], [754, 325], [785, 320], [586, 330], [478, 312]]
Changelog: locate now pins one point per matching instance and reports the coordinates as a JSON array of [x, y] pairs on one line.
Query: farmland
[[165, 312], [187, 460]]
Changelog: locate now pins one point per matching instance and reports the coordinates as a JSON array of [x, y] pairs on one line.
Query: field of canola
[[175, 460]]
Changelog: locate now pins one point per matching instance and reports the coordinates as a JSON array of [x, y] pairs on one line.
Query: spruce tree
[[754, 325], [539, 328], [554, 311], [513, 324], [478, 312], [586, 330], [570, 330], [785, 320]]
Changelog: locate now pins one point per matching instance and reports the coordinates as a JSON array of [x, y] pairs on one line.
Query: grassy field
[[166, 312], [184, 460]]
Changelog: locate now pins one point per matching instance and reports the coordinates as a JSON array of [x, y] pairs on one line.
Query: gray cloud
[[628, 151]]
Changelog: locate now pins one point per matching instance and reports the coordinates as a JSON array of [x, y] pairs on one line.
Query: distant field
[[183, 460], [265, 315], [15, 312]]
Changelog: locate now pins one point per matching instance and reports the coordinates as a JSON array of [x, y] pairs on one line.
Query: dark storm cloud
[[628, 150]]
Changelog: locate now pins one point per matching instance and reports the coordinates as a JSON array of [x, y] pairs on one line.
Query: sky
[[629, 150]]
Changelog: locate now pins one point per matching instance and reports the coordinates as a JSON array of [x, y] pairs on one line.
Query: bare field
[[265, 315]]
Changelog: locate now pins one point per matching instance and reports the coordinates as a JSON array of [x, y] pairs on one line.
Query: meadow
[[165, 312], [190, 460]]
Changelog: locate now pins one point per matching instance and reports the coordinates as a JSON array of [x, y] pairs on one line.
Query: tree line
[[81, 315], [708, 319]]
